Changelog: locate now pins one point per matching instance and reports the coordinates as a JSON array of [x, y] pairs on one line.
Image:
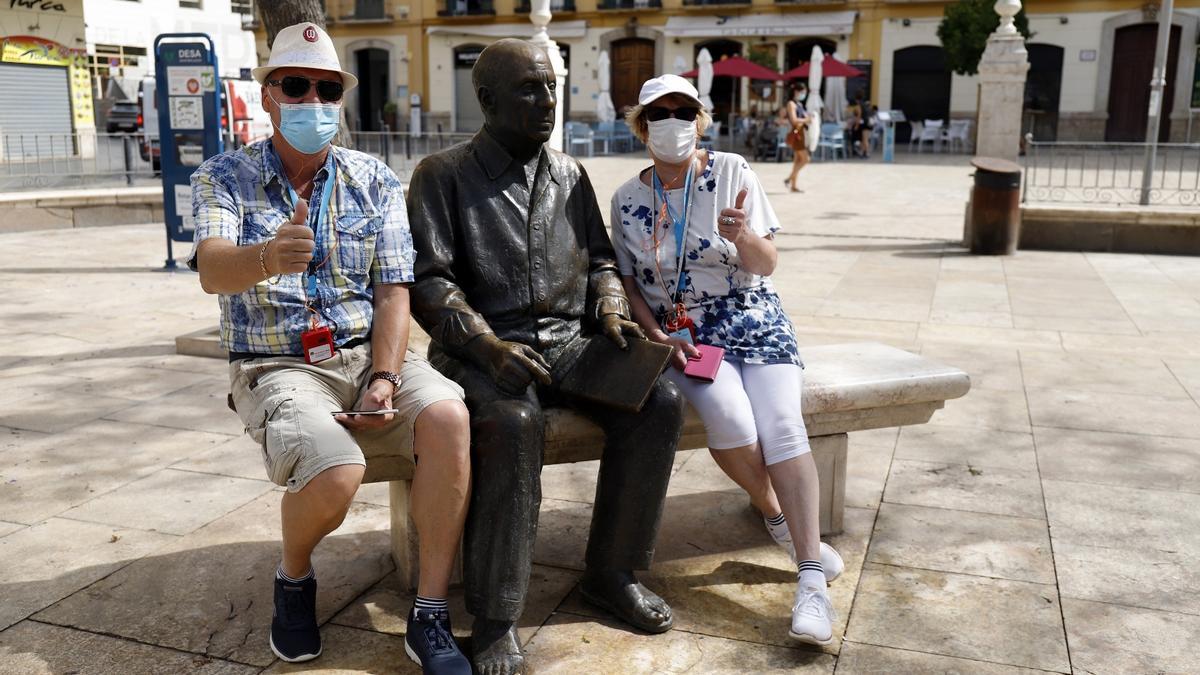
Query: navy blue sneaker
[[294, 633], [430, 643]]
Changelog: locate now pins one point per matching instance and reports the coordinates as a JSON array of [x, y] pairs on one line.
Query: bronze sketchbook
[[604, 374]]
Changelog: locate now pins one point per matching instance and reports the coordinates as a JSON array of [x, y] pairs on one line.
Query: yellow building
[[1091, 59]]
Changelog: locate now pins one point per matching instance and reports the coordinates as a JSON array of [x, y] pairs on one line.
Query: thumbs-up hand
[[731, 223], [292, 248]]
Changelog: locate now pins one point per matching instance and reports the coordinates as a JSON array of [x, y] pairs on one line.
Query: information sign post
[[188, 100]]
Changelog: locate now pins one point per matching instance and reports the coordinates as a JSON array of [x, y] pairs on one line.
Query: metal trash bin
[[995, 217]]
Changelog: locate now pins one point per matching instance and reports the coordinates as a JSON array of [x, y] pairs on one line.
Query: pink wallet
[[706, 365]]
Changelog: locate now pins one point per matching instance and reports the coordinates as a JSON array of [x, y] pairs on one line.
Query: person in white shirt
[[694, 240]]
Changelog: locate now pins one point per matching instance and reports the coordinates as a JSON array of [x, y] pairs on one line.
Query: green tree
[[965, 28]]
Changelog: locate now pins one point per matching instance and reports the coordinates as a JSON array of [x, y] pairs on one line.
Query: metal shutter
[[35, 119]]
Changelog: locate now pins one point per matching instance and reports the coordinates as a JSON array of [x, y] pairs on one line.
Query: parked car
[[148, 123], [123, 116]]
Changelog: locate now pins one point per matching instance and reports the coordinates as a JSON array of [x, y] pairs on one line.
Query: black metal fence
[[1110, 173]]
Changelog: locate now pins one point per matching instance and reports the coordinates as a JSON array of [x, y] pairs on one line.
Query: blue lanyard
[[322, 208], [679, 221]]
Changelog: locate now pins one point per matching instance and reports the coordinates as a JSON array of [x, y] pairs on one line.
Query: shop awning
[[558, 29], [814, 23]]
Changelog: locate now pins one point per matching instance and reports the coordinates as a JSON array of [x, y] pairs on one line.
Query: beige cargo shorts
[[286, 405]]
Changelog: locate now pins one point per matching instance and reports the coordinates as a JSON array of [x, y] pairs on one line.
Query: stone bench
[[848, 387]]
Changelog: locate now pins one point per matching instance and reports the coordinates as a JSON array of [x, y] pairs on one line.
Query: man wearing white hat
[[309, 248]]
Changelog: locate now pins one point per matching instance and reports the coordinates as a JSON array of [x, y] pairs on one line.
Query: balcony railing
[[556, 6], [707, 3], [467, 8], [630, 4]]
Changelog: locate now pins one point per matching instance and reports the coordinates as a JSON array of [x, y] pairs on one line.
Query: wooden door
[[1129, 85], [632, 62]]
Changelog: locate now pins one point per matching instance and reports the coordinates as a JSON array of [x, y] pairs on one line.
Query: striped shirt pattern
[[243, 196]]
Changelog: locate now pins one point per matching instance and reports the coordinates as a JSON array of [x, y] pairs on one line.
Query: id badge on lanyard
[[677, 322], [317, 341]]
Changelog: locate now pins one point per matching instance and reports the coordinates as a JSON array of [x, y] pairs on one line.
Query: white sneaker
[[812, 617], [831, 561]]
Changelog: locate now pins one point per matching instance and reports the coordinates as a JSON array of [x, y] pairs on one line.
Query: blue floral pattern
[[732, 308]]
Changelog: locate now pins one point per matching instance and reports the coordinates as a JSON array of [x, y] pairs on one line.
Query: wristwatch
[[385, 375]]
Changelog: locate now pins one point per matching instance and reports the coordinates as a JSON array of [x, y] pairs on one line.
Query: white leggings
[[748, 403]]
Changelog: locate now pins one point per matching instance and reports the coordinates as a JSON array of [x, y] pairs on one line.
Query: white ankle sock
[[280, 575], [778, 528], [811, 575]]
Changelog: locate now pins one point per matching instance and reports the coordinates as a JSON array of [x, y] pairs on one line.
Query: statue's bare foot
[[497, 648], [619, 592]]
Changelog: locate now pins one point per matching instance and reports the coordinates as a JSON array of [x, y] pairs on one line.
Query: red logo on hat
[[310, 34]]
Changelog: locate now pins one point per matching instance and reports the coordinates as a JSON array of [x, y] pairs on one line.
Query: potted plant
[[389, 114]]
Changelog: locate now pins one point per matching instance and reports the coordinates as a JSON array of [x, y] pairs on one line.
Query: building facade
[[380, 41], [44, 78], [1090, 59], [120, 37]]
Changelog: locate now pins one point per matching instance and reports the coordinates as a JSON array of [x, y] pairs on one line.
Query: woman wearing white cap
[[693, 235]]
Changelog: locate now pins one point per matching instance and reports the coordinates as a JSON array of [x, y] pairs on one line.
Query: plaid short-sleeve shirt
[[244, 196]]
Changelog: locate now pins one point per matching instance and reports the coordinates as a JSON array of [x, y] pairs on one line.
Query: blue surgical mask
[[309, 127]]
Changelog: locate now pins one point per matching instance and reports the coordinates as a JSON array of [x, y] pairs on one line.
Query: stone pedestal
[[1001, 95]]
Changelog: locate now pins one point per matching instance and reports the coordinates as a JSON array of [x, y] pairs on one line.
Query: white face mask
[[672, 140]]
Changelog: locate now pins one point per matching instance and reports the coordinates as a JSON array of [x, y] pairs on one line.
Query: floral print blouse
[[732, 308]]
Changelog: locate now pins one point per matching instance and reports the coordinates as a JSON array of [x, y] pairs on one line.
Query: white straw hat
[[304, 45], [662, 85]]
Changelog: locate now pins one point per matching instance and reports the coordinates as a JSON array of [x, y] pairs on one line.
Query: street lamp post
[[540, 15], [1157, 81]]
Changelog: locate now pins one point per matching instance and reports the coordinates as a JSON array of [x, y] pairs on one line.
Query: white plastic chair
[[931, 132], [832, 141], [958, 134], [581, 135], [914, 136]]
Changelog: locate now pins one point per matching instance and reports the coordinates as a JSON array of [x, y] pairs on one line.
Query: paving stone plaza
[[1047, 521]]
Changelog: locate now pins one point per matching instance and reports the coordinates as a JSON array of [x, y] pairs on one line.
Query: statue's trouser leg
[[507, 439], [639, 450]]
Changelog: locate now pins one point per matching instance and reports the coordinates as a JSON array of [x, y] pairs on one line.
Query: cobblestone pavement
[[1046, 521]]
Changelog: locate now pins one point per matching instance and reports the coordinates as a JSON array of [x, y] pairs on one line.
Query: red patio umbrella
[[736, 66], [830, 67]]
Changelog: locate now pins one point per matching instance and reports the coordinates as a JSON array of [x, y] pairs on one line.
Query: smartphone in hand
[[385, 411]]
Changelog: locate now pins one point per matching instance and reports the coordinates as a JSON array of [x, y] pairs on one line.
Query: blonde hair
[[641, 129]]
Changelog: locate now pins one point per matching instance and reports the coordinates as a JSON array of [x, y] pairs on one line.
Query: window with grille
[[191, 4], [245, 7]]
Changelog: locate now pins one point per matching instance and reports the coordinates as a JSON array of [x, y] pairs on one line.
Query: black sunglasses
[[656, 113], [295, 86]]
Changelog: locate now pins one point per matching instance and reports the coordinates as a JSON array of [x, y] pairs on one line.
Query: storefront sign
[[37, 5], [34, 51]]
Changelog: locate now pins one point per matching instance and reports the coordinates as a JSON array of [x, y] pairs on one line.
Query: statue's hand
[[511, 365], [616, 328]]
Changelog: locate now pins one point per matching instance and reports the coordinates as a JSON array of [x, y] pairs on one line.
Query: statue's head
[[515, 85]]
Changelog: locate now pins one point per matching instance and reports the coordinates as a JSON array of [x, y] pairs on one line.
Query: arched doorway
[[920, 86], [1043, 86], [631, 63], [564, 96], [468, 117], [1129, 86], [372, 69], [800, 51], [726, 91]]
